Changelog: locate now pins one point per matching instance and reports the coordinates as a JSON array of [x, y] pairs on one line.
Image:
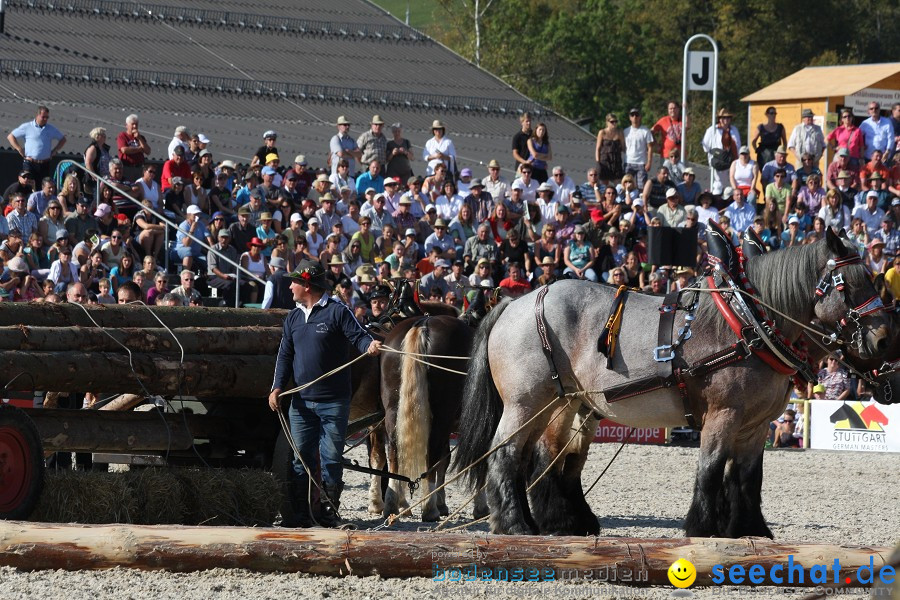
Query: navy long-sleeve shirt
[[311, 347]]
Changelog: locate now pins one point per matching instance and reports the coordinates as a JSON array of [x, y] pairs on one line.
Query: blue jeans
[[589, 274], [319, 426]]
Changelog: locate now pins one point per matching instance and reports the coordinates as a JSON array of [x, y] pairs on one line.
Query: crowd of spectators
[[378, 209]]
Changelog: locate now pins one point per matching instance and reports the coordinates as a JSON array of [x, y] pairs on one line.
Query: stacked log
[[188, 351]]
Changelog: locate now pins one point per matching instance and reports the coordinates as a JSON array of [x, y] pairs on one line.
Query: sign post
[[701, 72]]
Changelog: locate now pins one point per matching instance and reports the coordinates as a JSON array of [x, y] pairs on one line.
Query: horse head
[[882, 375], [847, 301]]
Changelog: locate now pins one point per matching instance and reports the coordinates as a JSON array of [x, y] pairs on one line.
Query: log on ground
[[43, 314], [31, 546], [194, 340], [201, 375]]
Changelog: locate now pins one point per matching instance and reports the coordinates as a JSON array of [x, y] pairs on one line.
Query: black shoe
[[299, 507], [329, 516]]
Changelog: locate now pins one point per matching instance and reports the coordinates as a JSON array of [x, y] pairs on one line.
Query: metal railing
[[169, 223], [273, 89], [201, 17]]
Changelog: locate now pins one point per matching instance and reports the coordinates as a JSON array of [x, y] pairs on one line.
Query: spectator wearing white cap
[[793, 235], [187, 249], [435, 279], [744, 175], [671, 213], [869, 213], [182, 138], [377, 212]]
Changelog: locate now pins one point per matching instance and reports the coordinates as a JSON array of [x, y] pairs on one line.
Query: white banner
[[700, 70], [857, 426], [859, 101]]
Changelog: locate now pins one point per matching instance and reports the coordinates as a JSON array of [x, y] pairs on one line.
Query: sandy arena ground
[[808, 496]]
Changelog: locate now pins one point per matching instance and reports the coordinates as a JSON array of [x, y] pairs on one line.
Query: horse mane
[[785, 279]]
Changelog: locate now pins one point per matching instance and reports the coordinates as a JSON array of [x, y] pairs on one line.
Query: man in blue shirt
[[316, 339], [38, 137], [740, 213]]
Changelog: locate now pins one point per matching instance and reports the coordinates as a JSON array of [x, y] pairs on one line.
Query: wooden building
[[825, 90]]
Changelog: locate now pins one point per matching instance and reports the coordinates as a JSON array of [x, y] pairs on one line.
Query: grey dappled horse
[[509, 382]]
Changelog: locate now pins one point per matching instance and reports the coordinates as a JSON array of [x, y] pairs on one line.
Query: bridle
[[832, 280], [876, 378]]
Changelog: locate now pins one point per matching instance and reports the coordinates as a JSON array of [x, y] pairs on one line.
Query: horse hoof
[[443, 511], [376, 508], [431, 516]]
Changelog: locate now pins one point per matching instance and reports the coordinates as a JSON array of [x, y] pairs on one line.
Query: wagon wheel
[[21, 464]]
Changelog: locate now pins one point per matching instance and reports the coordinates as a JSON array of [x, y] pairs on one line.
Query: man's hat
[[807, 112], [336, 261], [844, 175], [437, 124], [493, 164], [312, 273], [277, 262], [843, 152], [342, 120], [475, 183], [380, 291], [377, 120], [244, 210]]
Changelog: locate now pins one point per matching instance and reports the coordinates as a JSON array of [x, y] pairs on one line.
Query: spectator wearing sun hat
[[439, 149], [373, 143]]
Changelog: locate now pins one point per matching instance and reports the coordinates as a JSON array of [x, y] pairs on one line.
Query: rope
[[458, 510], [609, 464], [309, 473], [390, 520], [300, 388], [389, 349], [559, 454], [414, 356]]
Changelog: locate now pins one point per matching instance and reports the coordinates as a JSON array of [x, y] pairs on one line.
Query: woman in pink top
[[847, 135]]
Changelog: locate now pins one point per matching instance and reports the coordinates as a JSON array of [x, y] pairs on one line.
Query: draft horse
[[511, 380]]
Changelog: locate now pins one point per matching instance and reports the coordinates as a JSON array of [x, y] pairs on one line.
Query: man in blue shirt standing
[[316, 339], [38, 137]]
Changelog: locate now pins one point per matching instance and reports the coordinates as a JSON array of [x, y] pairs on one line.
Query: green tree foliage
[[584, 58]]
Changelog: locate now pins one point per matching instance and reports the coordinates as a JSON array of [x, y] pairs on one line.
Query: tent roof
[[824, 82]]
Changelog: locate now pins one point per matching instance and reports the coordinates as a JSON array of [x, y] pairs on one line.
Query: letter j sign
[[700, 70]]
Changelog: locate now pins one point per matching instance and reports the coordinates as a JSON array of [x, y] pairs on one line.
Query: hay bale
[[259, 495], [85, 497], [210, 497], [159, 496]]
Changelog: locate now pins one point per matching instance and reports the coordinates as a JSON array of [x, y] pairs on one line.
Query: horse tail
[[482, 406], [414, 408]]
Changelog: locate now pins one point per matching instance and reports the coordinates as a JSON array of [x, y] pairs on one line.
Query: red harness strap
[[765, 355]]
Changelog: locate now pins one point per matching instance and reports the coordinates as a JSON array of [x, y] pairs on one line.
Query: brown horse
[[422, 404]]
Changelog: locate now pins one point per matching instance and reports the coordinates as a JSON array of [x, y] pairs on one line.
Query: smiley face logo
[[682, 573]]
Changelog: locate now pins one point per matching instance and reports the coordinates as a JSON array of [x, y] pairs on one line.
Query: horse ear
[[834, 242], [843, 234], [881, 288]]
